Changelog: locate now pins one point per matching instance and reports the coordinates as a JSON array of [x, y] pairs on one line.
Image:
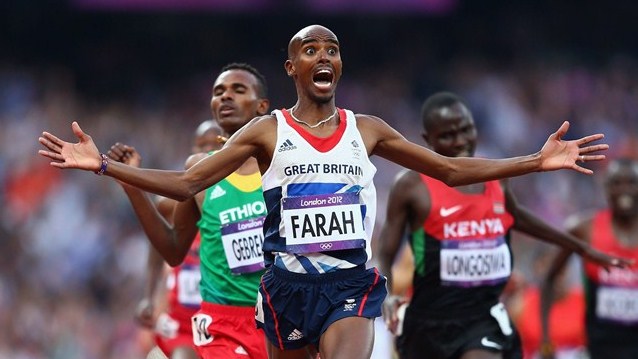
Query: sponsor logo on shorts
[[490, 344], [350, 305], [240, 350], [295, 335]]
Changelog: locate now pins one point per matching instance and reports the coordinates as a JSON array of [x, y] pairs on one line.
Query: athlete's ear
[[263, 106], [290, 69]]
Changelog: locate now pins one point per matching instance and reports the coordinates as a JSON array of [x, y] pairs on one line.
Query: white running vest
[[321, 198]]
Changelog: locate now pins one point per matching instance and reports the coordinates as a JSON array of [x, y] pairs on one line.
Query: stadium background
[[71, 251]]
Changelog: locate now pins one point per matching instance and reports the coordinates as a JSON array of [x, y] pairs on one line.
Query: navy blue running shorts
[[295, 309]]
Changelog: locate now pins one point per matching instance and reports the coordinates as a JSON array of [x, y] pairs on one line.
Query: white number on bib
[[188, 286], [617, 304]]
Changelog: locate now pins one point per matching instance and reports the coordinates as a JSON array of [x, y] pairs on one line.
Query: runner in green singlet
[[229, 216]]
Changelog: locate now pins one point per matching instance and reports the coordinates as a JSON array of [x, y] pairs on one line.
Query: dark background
[[113, 50]]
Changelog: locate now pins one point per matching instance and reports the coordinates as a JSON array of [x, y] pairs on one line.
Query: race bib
[[243, 245], [188, 279], [471, 263], [325, 222], [617, 304], [200, 324]]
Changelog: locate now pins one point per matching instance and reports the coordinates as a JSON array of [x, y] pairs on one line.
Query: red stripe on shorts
[[365, 297], [274, 315]]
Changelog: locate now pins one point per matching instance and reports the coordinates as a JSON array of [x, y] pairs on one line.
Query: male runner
[[318, 186]]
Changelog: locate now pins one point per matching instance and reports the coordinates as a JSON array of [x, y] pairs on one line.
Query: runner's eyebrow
[[311, 40]]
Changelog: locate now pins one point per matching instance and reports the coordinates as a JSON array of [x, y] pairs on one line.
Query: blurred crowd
[[73, 255]]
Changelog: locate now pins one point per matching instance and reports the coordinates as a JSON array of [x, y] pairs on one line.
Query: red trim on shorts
[[234, 310], [365, 297], [321, 144], [274, 315]]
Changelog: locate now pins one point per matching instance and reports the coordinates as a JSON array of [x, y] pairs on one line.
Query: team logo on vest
[[217, 192], [446, 212], [356, 150], [287, 146]]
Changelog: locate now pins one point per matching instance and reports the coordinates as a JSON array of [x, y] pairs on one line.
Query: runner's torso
[[612, 296], [462, 253], [321, 199], [231, 251]]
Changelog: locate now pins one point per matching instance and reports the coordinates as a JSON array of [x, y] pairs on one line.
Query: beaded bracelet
[[105, 162]]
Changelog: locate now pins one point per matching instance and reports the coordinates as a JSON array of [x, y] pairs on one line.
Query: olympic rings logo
[[325, 246]]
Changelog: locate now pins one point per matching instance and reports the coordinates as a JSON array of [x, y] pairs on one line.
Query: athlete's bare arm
[[528, 223], [171, 243], [145, 311], [252, 140], [556, 153], [400, 212], [579, 227]]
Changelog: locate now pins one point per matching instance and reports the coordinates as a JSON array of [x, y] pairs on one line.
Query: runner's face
[[207, 142], [235, 99], [622, 189], [316, 63], [452, 132]]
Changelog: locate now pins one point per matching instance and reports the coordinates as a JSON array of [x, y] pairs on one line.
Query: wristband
[[105, 162]]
